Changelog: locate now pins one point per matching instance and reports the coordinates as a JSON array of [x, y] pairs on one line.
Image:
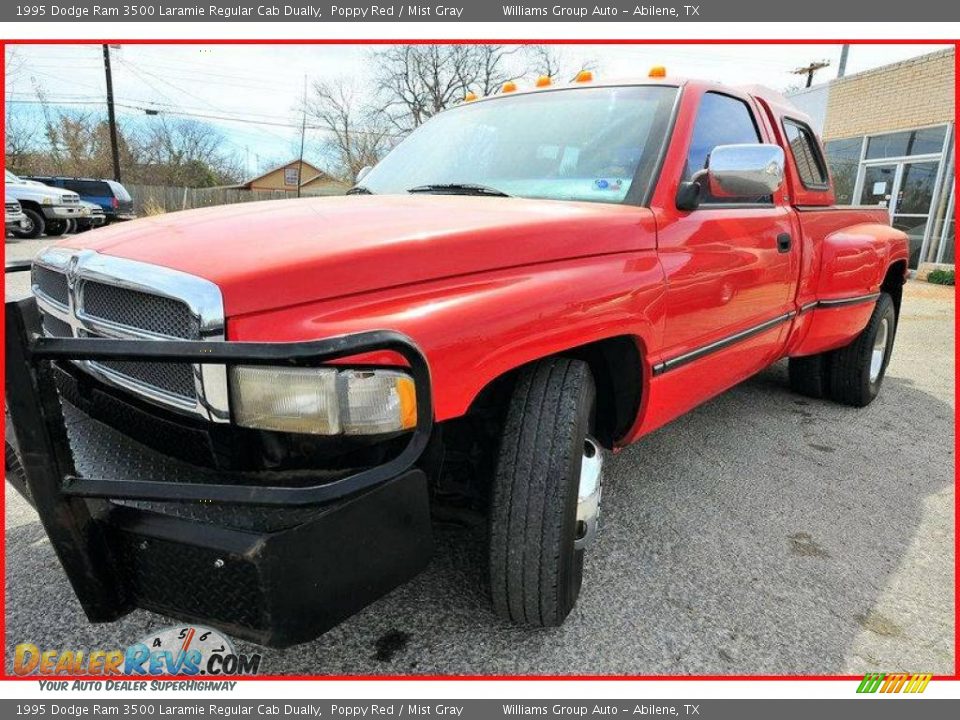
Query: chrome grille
[[176, 379], [13, 207], [51, 283], [85, 294], [70, 199], [55, 327], [134, 309]]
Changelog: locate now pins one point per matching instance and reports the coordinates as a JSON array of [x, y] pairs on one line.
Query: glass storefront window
[[925, 141], [947, 244], [940, 242], [843, 157], [916, 187], [915, 227]]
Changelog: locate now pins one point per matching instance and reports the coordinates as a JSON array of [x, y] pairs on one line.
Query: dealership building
[[889, 135]]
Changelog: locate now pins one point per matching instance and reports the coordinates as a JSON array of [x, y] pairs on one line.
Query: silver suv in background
[[47, 209], [13, 218]]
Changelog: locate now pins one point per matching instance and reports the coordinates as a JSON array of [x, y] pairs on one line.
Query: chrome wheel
[[588, 493], [879, 350], [25, 228]]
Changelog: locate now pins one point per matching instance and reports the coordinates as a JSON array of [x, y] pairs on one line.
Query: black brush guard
[[355, 538]]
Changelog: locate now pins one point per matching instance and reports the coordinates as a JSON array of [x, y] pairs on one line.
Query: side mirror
[[363, 173], [737, 171]]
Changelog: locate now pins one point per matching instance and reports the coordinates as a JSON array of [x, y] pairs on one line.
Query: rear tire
[[535, 567], [56, 228], [37, 225], [857, 370], [808, 375]]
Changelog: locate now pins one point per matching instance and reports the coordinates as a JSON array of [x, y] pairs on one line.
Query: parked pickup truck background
[[526, 283]]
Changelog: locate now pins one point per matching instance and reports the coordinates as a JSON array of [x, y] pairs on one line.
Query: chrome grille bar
[[119, 298]]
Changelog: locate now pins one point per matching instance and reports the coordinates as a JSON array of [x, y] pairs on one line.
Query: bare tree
[[20, 136], [357, 134], [184, 152], [491, 68], [415, 82], [12, 67], [554, 63]]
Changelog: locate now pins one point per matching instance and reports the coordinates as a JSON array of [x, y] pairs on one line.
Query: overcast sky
[[260, 84]]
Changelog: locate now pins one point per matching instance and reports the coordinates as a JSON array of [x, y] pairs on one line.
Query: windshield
[[594, 144]]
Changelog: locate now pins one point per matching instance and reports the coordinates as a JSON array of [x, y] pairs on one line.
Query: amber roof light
[[584, 76], [658, 71]]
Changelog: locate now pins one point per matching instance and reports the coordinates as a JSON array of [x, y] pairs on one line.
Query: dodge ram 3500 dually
[[243, 415]]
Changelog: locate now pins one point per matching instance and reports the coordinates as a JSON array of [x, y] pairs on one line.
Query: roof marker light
[[544, 81], [509, 86], [658, 71], [469, 97], [584, 76]]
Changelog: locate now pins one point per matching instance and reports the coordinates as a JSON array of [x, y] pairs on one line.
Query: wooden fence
[[158, 199]]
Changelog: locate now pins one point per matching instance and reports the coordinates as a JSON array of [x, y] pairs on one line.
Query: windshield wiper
[[458, 189], [359, 190]]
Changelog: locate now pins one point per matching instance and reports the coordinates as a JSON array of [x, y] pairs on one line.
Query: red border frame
[[508, 41]]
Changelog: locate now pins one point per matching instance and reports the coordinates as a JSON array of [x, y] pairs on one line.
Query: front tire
[[536, 568], [857, 370], [36, 225]]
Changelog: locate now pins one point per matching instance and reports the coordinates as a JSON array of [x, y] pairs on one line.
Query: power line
[[205, 116]]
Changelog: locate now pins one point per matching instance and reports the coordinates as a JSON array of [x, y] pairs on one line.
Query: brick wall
[[909, 94]]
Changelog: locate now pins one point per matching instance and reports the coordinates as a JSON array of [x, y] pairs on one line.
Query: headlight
[[47, 200], [323, 401]]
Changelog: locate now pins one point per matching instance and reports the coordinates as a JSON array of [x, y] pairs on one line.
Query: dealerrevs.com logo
[[177, 650]]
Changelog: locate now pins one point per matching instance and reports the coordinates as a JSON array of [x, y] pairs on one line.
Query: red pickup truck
[[248, 415]]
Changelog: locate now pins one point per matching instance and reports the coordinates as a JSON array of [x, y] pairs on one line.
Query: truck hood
[[33, 190], [267, 255]]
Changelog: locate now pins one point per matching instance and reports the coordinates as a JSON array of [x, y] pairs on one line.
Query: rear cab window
[[811, 166]]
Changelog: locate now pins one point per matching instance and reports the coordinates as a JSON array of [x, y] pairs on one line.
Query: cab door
[[730, 265]]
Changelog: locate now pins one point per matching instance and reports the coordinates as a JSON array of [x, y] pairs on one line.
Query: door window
[[912, 208], [721, 120], [878, 185]]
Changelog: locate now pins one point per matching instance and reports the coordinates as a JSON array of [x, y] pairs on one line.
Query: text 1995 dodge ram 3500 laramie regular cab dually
[[242, 415]]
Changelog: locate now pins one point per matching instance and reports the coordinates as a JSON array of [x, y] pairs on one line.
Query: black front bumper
[[274, 562]]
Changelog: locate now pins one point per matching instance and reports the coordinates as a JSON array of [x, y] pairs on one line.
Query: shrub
[[152, 207], [941, 277]]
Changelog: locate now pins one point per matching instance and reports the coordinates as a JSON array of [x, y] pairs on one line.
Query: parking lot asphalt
[[762, 533]]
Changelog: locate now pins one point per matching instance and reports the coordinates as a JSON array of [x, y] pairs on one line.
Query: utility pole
[[810, 69], [303, 135], [111, 114], [842, 69]]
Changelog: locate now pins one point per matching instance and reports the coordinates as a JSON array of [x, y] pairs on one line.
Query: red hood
[[267, 255]]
